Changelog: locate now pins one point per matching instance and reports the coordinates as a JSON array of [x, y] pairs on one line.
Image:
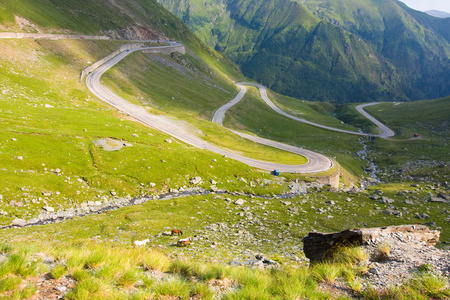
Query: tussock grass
[[326, 271], [214, 272], [350, 255], [154, 260], [128, 278], [203, 291], [173, 287], [435, 286], [184, 268], [9, 283], [382, 251], [91, 288], [58, 271], [17, 264]]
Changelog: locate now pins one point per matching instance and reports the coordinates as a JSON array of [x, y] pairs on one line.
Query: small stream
[[373, 169]]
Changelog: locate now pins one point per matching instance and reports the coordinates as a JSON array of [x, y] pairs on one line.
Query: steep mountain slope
[[334, 50]]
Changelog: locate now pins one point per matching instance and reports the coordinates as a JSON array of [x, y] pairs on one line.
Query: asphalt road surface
[[316, 162], [219, 114]]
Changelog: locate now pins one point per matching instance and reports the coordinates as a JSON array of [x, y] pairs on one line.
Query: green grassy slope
[[426, 154], [49, 122]]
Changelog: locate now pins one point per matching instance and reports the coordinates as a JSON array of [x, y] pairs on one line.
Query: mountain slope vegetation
[[334, 50]]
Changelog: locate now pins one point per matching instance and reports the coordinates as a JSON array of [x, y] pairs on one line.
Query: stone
[[152, 184], [240, 202], [388, 212], [437, 199], [19, 157], [318, 246], [57, 170], [422, 216], [169, 141], [409, 202], [374, 271], [48, 209], [331, 202], [1, 197], [19, 222], [113, 193], [386, 200], [14, 139], [47, 194], [213, 182], [195, 180], [348, 199]]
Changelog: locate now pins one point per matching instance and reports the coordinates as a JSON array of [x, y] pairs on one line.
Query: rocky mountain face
[[328, 50]]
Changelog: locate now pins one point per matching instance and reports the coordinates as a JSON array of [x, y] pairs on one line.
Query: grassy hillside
[[426, 154]]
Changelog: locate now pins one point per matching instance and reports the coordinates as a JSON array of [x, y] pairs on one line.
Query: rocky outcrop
[[319, 245]]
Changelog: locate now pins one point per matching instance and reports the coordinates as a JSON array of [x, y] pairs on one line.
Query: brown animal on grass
[[183, 242], [177, 232]]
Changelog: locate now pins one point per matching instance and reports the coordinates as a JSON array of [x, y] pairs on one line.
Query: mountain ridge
[[384, 50]]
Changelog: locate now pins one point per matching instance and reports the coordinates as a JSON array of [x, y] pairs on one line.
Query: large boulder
[[318, 245]]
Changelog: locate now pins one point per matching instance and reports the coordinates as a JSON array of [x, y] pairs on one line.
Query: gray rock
[[422, 216], [409, 202], [169, 141], [348, 199], [152, 184], [386, 200], [374, 271], [19, 222], [48, 209], [195, 180], [319, 245], [331, 202], [240, 202], [437, 199]]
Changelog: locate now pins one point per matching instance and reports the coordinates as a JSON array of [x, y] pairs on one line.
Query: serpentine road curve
[[316, 162], [219, 115]]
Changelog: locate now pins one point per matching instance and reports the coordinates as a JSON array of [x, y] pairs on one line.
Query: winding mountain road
[[316, 162], [219, 114]]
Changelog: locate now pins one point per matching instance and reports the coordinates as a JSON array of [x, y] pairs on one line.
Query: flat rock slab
[[318, 245], [109, 144]]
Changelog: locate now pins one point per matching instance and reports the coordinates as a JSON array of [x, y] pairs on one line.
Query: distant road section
[[316, 162], [219, 114]]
